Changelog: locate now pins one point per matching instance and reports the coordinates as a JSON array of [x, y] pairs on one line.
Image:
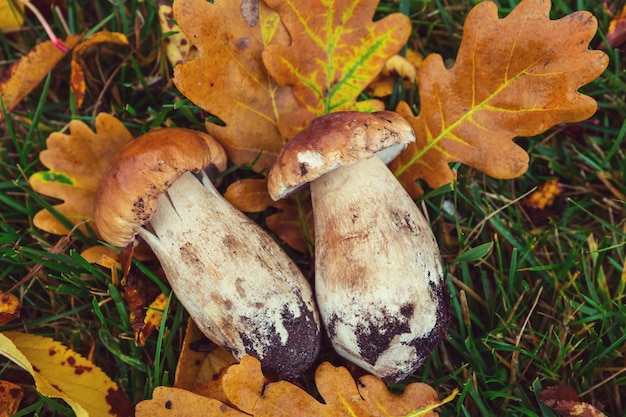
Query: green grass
[[535, 301]]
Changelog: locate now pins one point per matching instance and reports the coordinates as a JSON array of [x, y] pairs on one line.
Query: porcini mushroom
[[378, 275], [237, 284]]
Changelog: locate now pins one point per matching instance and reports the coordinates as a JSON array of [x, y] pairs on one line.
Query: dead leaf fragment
[[564, 400], [227, 77], [544, 195], [11, 15], [177, 46], [334, 54], [516, 76], [9, 308], [176, 402], [616, 35], [10, 397], [24, 75], [78, 66], [76, 163], [60, 372]]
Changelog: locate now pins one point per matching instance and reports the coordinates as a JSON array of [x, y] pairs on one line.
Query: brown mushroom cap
[[142, 171], [335, 140]]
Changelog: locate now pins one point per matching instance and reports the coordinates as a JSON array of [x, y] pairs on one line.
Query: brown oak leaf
[[227, 77], [516, 76]]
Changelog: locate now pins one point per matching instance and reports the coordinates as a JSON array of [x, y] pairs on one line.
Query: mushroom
[[378, 275], [237, 284]]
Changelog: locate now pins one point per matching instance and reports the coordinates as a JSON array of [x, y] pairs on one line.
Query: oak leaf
[[336, 50], [251, 394], [227, 77], [76, 163], [24, 75], [59, 372], [516, 76]]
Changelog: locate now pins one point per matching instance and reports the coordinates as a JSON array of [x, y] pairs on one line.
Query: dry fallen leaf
[[251, 394], [9, 308], [11, 15], [60, 372], [564, 400], [516, 76], [247, 388], [10, 397], [227, 78], [77, 75], [176, 402], [177, 46], [336, 50], [76, 163], [616, 35], [201, 365], [24, 75], [544, 196]]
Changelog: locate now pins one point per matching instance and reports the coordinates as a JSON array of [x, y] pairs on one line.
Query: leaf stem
[[45, 25]]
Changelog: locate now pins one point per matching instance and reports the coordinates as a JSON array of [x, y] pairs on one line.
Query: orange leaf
[[228, 78], [176, 402], [516, 76], [253, 394], [247, 388], [336, 51], [10, 398], [9, 308], [76, 162], [249, 195], [24, 75], [77, 76], [59, 372]]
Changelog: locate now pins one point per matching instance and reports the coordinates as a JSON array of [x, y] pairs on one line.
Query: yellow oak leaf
[[76, 163], [516, 76], [227, 77], [24, 75], [59, 372], [335, 52]]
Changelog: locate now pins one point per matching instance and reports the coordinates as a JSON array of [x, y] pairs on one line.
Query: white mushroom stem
[[236, 283], [379, 283]]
